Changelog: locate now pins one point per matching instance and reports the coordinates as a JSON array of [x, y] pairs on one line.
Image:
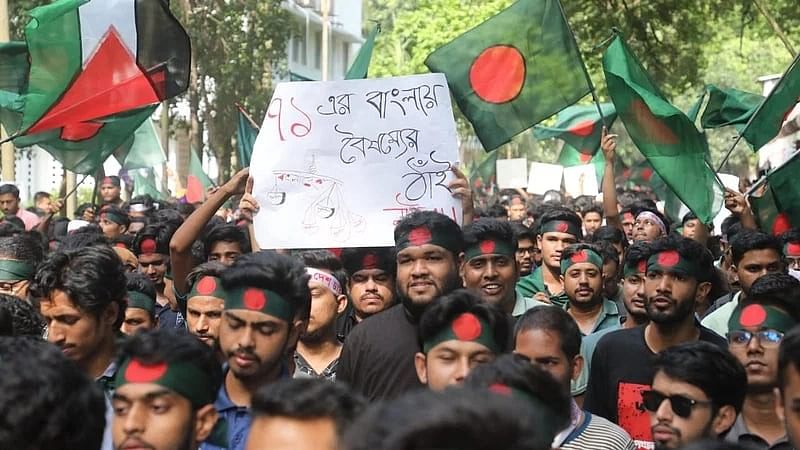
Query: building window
[[299, 49], [318, 50]]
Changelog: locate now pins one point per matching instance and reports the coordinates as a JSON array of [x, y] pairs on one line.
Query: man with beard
[[378, 356], [317, 354], [559, 227], [696, 393], [678, 274], [582, 275], [267, 304], [166, 385], [370, 285], [204, 303], [152, 249], [526, 248], [756, 329]]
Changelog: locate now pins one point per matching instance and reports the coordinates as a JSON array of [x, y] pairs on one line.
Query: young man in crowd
[[152, 250], [788, 390], [378, 355], [550, 338], [649, 225], [114, 221], [592, 219], [370, 284], [20, 255], [205, 303], [10, 205], [677, 277], [517, 211], [756, 329], [303, 415], [110, 190], [267, 304], [582, 276], [696, 393], [693, 228], [318, 350], [559, 228], [166, 386], [526, 248], [224, 243], [42, 202], [140, 310], [457, 333], [791, 250], [754, 254]]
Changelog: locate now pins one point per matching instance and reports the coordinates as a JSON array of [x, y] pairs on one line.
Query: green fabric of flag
[[580, 126], [246, 135], [767, 121], [778, 208], [729, 107], [13, 73], [513, 70], [146, 184], [360, 67], [665, 136], [485, 172], [143, 150], [197, 181]]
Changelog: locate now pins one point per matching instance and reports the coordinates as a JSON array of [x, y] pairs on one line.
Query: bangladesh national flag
[[778, 208], [485, 173], [142, 150], [513, 70], [580, 126], [729, 107], [197, 181], [570, 156], [246, 133], [360, 67], [146, 184], [665, 136], [767, 121]]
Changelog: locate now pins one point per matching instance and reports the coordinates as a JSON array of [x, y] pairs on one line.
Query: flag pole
[[246, 116], [10, 138]]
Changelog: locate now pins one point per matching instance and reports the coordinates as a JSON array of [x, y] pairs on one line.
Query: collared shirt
[[607, 319], [532, 284], [106, 382], [167, 318], [28, 218], [302, 369], [717, 321], [525, 303], [739, 434]]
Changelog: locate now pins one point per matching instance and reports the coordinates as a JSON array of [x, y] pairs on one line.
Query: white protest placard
[[580, 180], [338, 164], [544, 177], [512, 173]]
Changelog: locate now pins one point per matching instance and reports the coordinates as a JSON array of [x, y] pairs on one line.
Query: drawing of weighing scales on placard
[[326, 210]]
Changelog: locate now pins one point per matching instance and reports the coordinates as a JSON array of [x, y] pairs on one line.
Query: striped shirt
[[597, 433]]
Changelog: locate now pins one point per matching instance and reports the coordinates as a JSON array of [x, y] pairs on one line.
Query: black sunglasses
[[681, 406]]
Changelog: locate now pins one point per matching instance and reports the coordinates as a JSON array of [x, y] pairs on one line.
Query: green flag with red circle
[[777, 209], [768, 120], [580, 126], [513, 70]]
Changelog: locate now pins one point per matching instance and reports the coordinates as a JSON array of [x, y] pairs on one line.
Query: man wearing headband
[[649, 225], [489, 266], [140, 312], [267, 304], [755, 331], [204, 303], [791, 250], [15, 275], [318, 349], [696, 393], [9, 204], [378, 355], [166, 385], [677, 278], [114, 221], [627, 218], [152, 249], [110, 189], [457, 333], [370, 284], [559, 227], [582, 275], [754, 254]]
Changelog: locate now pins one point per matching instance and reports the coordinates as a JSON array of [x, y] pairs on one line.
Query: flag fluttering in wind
[[777, 209], [197, 181], [246, 134], [665, 135], [513, 70], [360, 67], [143, 150], [485, 173], [580, 126], [767, 121], [146, 184]]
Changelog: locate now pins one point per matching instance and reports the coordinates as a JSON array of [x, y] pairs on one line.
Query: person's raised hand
[[238, 183], [460, 189], [248, 205], [736, 203], [608, 143]]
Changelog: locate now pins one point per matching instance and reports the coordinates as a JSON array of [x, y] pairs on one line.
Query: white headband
[[653, 218], [325, 278]]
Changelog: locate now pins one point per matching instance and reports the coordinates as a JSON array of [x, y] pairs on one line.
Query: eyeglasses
[[681, 406], [767, 338]]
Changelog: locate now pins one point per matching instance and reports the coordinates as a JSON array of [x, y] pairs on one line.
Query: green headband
[[672, 262], [423, 235], [14, 270], [182, 377], [466, 327], [138, 299], [635, 269], [560, 226], [760, 316], [114, 217], [584, 255], [500, 388], [207, 286], [489, 247], [261, 300]]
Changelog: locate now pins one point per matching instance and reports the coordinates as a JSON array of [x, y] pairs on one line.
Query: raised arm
[[608, 144]]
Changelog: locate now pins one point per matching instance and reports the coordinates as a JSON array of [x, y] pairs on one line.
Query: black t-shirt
[[378, 356], [622, 367]]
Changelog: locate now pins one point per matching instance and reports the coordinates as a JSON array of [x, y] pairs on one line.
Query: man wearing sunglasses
[[756, 331], [697, 392]]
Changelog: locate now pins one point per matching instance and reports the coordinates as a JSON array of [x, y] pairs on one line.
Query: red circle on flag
[[254, 299], [585, 158], [370, 261], [488, 246], [753, 316], [782, 224], [419, 236], [499, 388], [139, 372], [466, 327], [669, 258], [498, 74], [647, 174], [206, 285], [148, 246], [793, 249], [580, 256], [583, 129], [562, 227]]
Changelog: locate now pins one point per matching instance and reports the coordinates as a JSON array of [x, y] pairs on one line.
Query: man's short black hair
[[82, 208], [485, 228], [324, 260], [25, 319], [139, 282], [748, 240], [164, 345], [385, 259], [610, 234], [689, 249], [495, 211], [788, 355], [554, 320], [562, 214], [89, 236], [92, 277], [441, 313], [282, 274], [593, 208], [309, 399], [730, 227], [46, 402], [9, 189], [22, 247], [40, 195], [713, 370], [776, 289], [435, 222], [638, 251], [522, 232], [226, 233]]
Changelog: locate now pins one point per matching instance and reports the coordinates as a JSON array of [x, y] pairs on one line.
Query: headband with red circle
[[560, 226], [183, 377], [260, 300], [489, 246], [207, 286], [670, 261], [584, 255], [760, 316], [792, 249], [465, 327], [423, 235]]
